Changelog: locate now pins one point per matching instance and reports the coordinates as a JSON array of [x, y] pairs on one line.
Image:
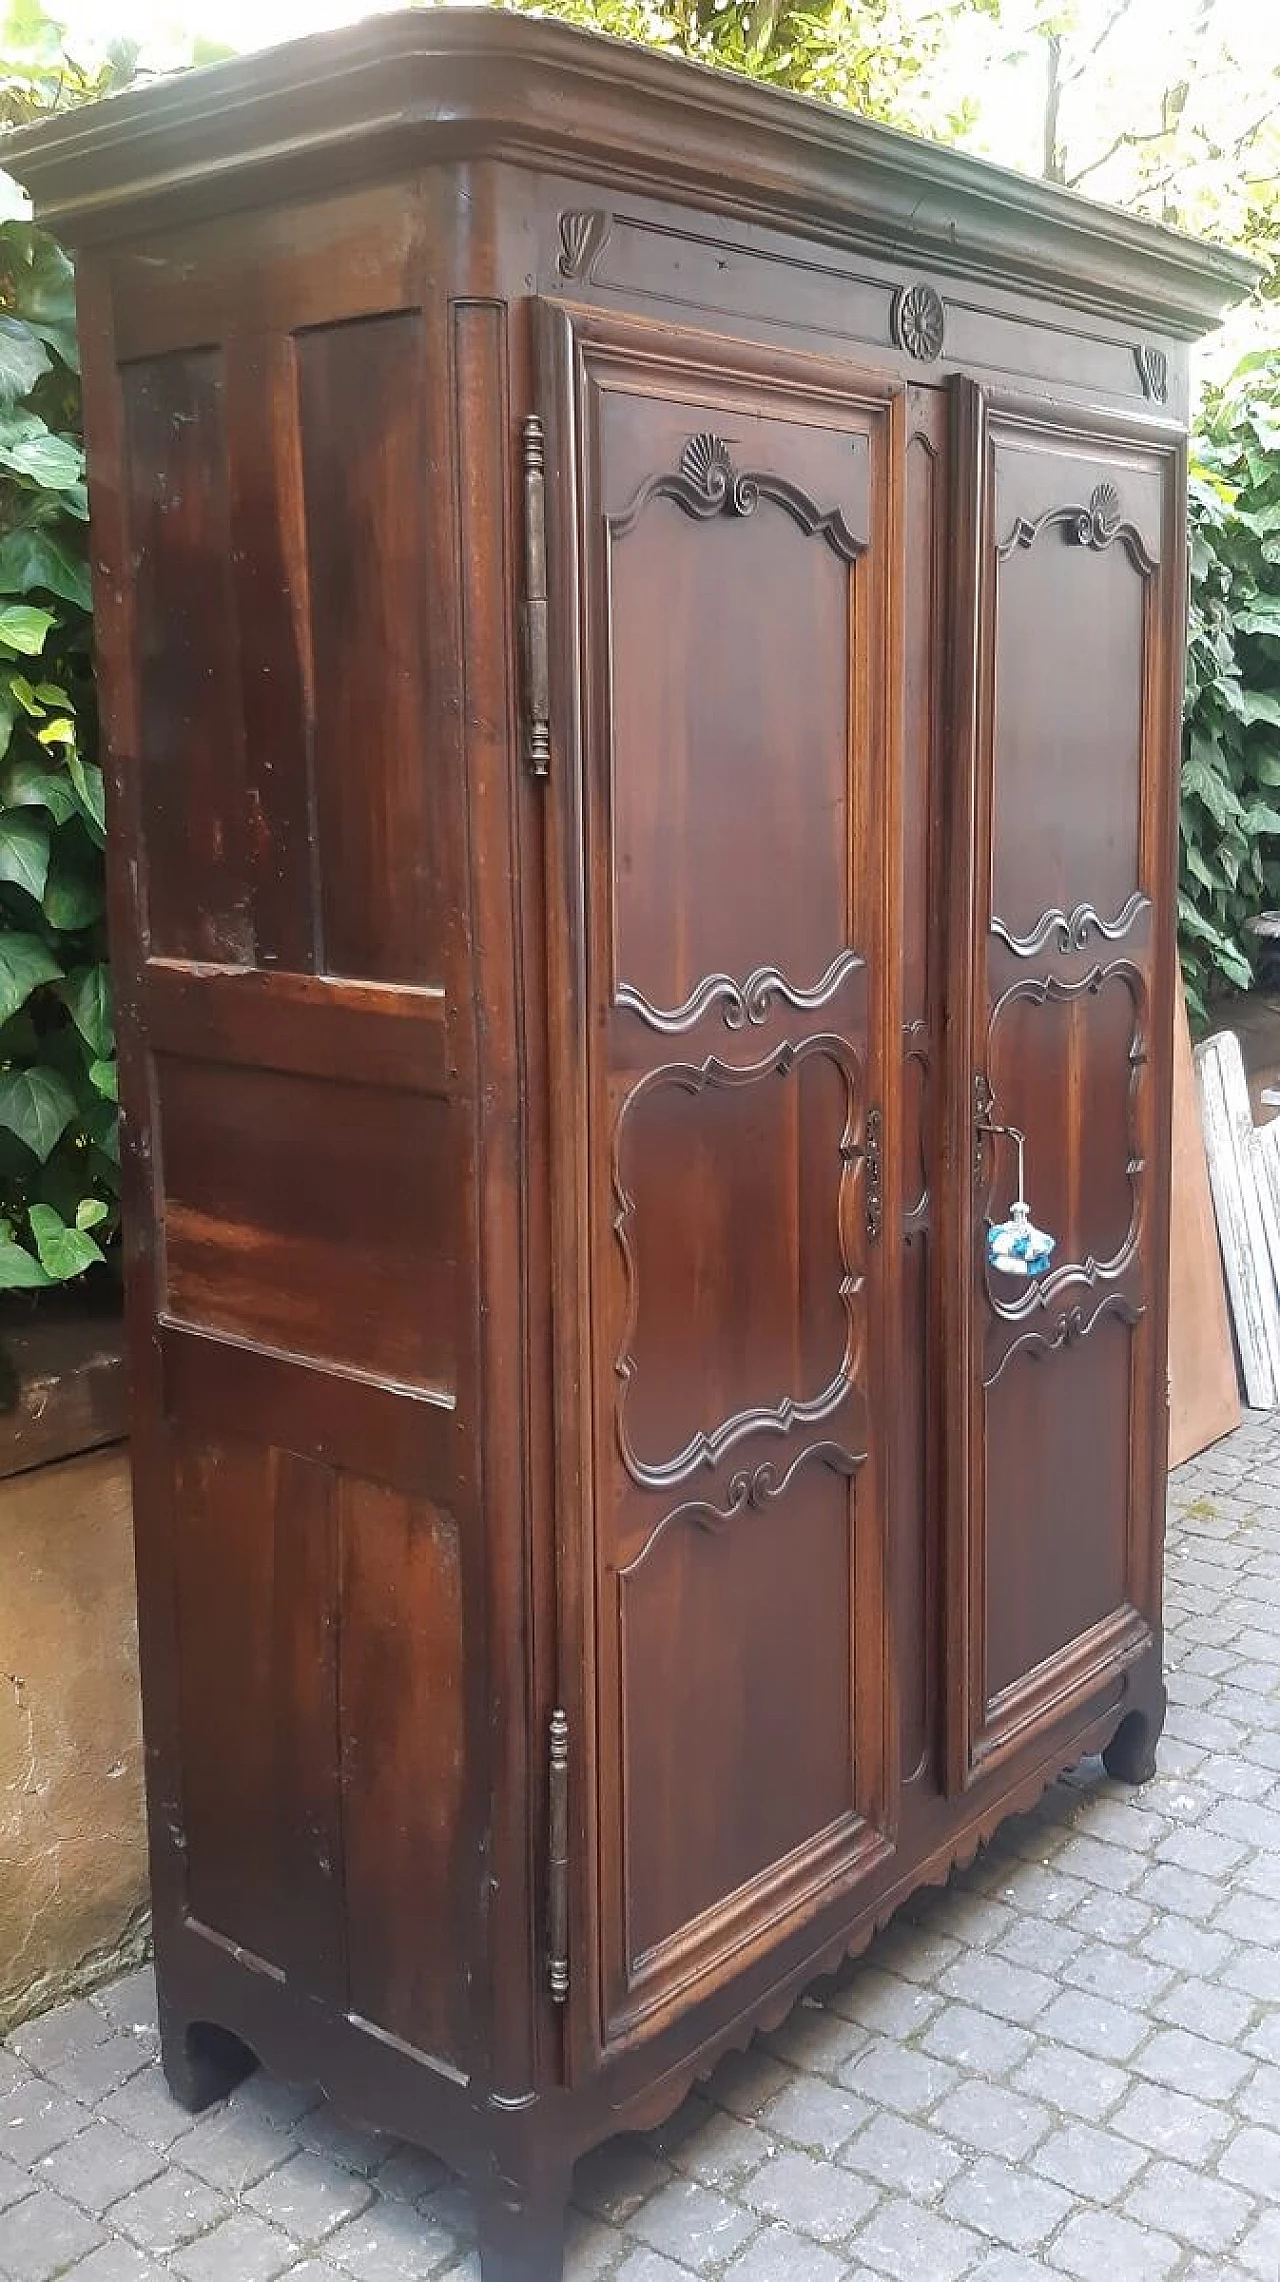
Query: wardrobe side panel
[[289, 894]]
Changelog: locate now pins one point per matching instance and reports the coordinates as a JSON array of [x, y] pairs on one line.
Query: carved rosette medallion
[[918, 322]]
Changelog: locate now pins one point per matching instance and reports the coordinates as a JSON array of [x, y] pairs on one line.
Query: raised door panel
[[1076, 614], [726, 529]]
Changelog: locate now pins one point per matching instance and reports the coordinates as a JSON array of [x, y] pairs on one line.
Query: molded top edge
[[399, 90]]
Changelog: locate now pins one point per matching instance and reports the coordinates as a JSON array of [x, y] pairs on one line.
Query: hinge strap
[[537, 668], [558, 1860]]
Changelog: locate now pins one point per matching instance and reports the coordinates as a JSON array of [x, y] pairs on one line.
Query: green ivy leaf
[[87, 996], [74, 895], [104, 1077], [91, 1212], [24, 850], [25, 963], [64, 1252], [24, 784], [31, 560], [88, 783], [38, 1106], [52, 462], [18, 1271], [23, 627], [23, 359], [1261, 817], [46, 297]]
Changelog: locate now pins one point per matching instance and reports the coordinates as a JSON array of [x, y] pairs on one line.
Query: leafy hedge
[[1231, 765], [59, 1146]]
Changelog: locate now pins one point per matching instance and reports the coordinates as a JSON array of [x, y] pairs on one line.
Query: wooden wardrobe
[[640, 625]]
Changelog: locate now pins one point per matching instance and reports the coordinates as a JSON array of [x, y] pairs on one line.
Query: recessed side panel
[[191, 766], [323, 1613], [1080, 569], [341, 1250]]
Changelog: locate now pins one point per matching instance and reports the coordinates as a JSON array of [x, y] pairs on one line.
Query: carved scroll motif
[[709, 1445], [1099, 525], [1038, 1296], [753, 1488], [707, 483], [1067, 1330], [741, 1003], [1070, 930]]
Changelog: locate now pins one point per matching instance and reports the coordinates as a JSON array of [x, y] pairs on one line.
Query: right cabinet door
[[1071, 586]]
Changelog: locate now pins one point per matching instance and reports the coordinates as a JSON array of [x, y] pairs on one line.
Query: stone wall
[[73, 1873]]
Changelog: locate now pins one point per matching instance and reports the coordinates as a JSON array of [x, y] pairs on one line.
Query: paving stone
[[1171, 2123], [1118, 1975], [308, 2197], [1115, 1919], [896, 2076], [818, 2199], [1011, 2266], [813, 2038], [1207, 2009], [1191, 2064], [976, 2042], [409, 2172], [778, 2255], [725, 2150], [44, 2235], [15, 2182], [910, 2243], [1259, 2099], [242, 2249], [146, 2107], [98, 2166], [324, 2132], [129, 2004], [699, 2227], [1077, 2081], [904, 2156], [96, 2069], [1187, 1947], [1093, 2164], [1007, 2202], [1095, 2024], [638, 2266], [1257, 1973], [233, 2148], [745, 2080], [915, 1952], [58, 2036], [993, 2120], [390, 2243], [35, 2118], [590, 2249], [1095, 2244], [168, 2212], [116, 2262], [1202, 2211], [996, 1986], [615, 2179], [1259, 2252], [813, 2115], [1253, 2159], [13, 2072], [884, 2004]]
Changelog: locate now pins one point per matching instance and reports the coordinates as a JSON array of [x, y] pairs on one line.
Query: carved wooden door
[[1072, 531], [724, 987]]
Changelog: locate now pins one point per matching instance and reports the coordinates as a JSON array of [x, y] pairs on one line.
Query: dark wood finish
[[63, 1387], [639, 624]]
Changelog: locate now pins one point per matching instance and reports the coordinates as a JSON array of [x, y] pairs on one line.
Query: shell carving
[[1097, 524], [705, 463]]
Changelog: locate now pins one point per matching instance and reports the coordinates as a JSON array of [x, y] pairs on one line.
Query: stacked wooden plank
[[1244, 1176]]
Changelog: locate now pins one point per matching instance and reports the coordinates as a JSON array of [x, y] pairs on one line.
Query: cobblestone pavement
[[1068, 2063]]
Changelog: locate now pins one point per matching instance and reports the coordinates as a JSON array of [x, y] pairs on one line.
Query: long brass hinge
[[558, 1860], [537, 664]]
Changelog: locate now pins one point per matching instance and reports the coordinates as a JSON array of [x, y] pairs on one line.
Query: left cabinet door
[[724, 990]]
